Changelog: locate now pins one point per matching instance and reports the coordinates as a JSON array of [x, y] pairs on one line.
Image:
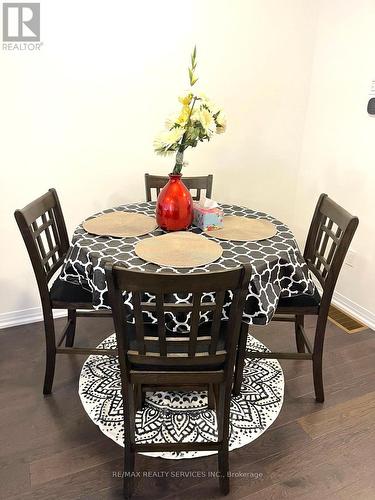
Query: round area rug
[[183, 417]]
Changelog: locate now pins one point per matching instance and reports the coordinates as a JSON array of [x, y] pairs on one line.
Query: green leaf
[[193, 60], [191, 76]]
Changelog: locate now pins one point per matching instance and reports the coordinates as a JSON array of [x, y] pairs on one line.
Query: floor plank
[[345, 416]]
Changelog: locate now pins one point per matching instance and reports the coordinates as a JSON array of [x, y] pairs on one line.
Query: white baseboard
[[25, 316], [363, 315]]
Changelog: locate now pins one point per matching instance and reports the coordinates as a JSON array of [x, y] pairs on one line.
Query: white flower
[[174, 135], [204, 99], [166, 142], [195, 115], [170, 121], [207, 121], [221, 122]]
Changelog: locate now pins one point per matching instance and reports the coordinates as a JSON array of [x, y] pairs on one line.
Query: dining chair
[[331, 231], [154, 360], [196, 184], [43, 230]]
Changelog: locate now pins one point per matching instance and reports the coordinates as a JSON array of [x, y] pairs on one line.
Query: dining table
[[278, 270], [278, 267]]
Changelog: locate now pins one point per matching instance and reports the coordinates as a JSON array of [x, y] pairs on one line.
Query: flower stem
[[180, 152], [179, 162]]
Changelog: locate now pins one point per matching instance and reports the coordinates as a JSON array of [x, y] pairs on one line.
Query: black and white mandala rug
[[183, 417]]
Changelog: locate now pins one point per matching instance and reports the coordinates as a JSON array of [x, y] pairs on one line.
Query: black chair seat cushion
[[300, 301], [63, 291]]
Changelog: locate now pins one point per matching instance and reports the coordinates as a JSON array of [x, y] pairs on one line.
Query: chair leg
[[223, 458], [49, 329], [317, 359], [139, 397], [211, 397], [129, 453], [318, 378], [70, 334], [299, 322], [129, 462], [240, 360], [223, 409]]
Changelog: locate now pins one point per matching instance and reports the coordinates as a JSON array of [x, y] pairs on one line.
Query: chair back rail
[[198, 184], [329, 237], [193, 348], [43, 230]]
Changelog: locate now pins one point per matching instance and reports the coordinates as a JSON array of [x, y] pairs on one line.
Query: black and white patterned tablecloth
[[279, 269]]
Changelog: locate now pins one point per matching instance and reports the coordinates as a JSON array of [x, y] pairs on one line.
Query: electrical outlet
[[371, 102], [351, 258]]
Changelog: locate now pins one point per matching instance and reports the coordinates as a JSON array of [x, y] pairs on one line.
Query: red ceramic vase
[[174, 208]]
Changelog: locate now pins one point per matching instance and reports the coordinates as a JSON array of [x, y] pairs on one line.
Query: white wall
[[81, 114], [338, 153]]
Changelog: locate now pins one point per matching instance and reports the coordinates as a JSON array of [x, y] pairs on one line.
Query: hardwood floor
[[50, 449]]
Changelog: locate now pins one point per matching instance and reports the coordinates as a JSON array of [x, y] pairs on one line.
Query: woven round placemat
[[244, 229], [179, 249], [120, 224]]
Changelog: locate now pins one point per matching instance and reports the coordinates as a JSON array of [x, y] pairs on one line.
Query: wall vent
[[344, 321]]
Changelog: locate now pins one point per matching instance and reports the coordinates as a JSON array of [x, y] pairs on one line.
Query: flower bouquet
[[199, 119]]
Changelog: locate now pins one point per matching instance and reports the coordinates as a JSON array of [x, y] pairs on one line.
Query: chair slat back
[[194, 346], [44, 232], [331, 231], [194, 184]]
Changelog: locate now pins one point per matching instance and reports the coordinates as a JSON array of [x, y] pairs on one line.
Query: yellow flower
[[185, 99], [184, 115]]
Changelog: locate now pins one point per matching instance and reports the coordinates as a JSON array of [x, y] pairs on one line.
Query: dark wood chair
[[152, 360], [197, 184], [44, 232], [331, 231]]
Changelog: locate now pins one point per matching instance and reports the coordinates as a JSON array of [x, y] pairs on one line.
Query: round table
[[278, 268]]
